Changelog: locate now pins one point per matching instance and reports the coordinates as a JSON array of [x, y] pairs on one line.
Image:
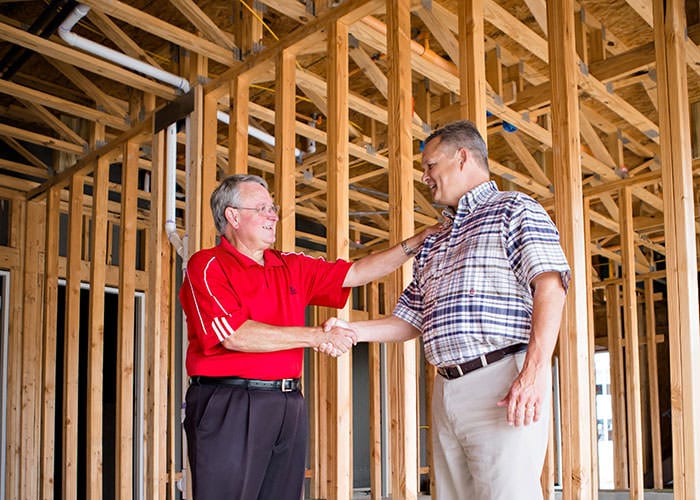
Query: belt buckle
[[287, 385]]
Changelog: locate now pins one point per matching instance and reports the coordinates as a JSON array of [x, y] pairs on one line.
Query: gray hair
[[463, 134], [227, 194]]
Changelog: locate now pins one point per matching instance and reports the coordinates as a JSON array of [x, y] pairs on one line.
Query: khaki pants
[[476, 454]]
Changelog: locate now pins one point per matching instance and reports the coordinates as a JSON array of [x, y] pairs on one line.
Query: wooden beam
[[401, 357], [284, 149], [533, 168], [617, 385], [637, 59], [472, 74], [238, 126], [355, 102], [159, 308], [84, 61], [375, 406], [445, 38], [373, 72], [96, 319], [339, 393], [119, 37], [204, 23], [653, 368], [32, 348], [153, 25], [21, 168], [63, 105], [38, 163], [247, 28], [574, 349], [56, 124], [50, 322], [124, 439], [590, 274], [349, 12], [71, 336], [40, 139], [13, 409], [632, 386], [681, 260], [209, 170]]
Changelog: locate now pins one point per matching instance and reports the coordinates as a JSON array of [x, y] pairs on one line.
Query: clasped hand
[[337, 338]]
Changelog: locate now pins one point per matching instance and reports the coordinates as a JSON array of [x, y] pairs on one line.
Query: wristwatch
[[406, 249]]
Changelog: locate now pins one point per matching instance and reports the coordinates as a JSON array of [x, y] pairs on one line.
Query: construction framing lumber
[[679, 224], [573, 342]]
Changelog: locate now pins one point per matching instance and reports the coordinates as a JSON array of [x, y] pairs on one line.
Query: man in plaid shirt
[[487, 297]]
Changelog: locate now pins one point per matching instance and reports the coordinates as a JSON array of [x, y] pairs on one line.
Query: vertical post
[[209, 169], [72, 339], [285, 115], [617, 386], [375, 406], [48, 382], [632, 389], [194, 203], [472, 68], [401, 357], [573, 341], [591, 343], [96, 319], [158, 328], [653, 367], [681, 258], [238, 126], [339, 452], [124, 483], [31, 347]]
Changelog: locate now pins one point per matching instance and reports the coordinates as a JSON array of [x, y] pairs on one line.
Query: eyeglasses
[[262, 209]]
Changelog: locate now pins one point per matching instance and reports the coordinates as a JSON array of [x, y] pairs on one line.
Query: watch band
[[406, 249]]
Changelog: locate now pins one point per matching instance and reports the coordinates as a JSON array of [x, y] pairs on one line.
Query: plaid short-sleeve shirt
[[471, 291]]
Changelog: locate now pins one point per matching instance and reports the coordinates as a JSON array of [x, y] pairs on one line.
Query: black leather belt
[[284, 385], [456, 371]]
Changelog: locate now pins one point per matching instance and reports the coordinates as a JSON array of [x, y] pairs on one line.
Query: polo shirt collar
[[271, 257], [472, 199]]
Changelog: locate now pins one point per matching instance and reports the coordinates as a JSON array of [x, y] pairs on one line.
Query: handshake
[[337, 337]]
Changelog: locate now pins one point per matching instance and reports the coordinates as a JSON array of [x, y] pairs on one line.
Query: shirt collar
[[272, 258], [472, 199]]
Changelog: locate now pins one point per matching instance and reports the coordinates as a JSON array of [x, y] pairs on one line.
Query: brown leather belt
[[456, 371], [284, 385]]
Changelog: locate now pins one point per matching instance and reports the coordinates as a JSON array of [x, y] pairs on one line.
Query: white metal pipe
[[64, 31], [170, 188], [257, 133]]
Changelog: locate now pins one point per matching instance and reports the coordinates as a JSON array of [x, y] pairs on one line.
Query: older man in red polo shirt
[[245, 416]]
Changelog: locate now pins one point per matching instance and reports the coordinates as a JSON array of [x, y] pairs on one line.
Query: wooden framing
[[31, 355], [284, 151], [98, 258], [49, 342], [339, 452], [614, 136], [401, 358], [573, 343], [632, 389], [653, 368], [684, 324], [125, 347]]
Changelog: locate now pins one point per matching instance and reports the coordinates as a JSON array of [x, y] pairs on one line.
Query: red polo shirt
[[223, 288]]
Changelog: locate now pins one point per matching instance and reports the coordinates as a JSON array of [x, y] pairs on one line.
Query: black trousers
[[245, 444]]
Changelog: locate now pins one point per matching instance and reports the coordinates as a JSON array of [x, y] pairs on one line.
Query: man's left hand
[[525, 398]]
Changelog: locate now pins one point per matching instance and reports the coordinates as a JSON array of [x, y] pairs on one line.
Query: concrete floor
[[602, 495]]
